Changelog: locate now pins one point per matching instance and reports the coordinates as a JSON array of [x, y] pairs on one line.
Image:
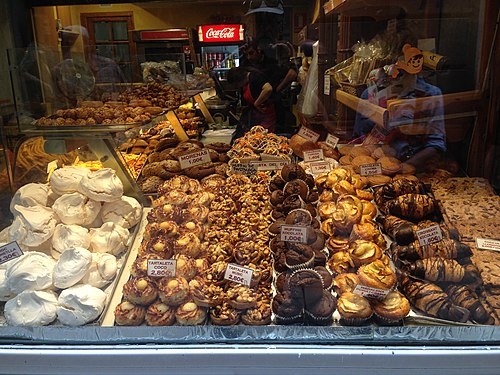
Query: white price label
[[427, 236], [270, 165], [293, 233], [320, 167], [308, 134], [332, 140], [162, 267], [326, 89], [10, 251], [313, 155], [247, 169], [487, 244], [194, 158], [238, 274], [370, 292], [370, 169]]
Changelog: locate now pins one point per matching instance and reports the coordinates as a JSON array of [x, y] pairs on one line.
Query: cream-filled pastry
[[67, 180], [80, 304], [102, 185], [109, 238], [32, 226], [31, 271], [102, 270], [69, 236], [31, 308], [125, 212], [76, 209], [32, 194], [71, 267]]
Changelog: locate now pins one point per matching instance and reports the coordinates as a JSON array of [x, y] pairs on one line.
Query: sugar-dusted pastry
[[71, 267], [109, 238], [140, 291], [173, 290], [31, 308], [102, 185], [69, 236], [125, 212], [31, 271], [377, 275], [76, 208], [67, 180], [128, 314], [160, 314], [80, 304], [102, 270], [32, 226], [190, 314], [32, 194]]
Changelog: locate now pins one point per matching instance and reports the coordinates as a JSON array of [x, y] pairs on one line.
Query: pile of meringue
[[73, 232]]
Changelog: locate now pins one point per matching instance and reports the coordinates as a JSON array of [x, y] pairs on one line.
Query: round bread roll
[[299, 144]]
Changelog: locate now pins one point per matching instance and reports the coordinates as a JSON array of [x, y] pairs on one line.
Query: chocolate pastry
[[299, 217], [325, 275], [321, 312], [298, 256], [224, 315], [291, 172], [276, 183], [287, 310], [277, 197], [214, 155], [292, 202], [296, 187], [219, 146], [200, 171], [306, 285]]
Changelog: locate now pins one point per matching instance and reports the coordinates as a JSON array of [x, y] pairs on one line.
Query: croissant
[[413, 207], [396, 188], [438, 269], [462, 295], [431, 299], [446, 248], [393, 225]]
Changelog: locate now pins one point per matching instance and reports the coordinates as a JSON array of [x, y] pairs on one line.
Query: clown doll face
[[414, 64]]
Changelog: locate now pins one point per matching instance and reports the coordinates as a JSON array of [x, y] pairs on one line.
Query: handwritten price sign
[[488, 244], [195, 158], [293, 233], [369, 292], [370, 169], [246, 169], [427, 236], [238, 274], [313, 155], [332, 140], [10, 251], [162, 267], [308, 134]]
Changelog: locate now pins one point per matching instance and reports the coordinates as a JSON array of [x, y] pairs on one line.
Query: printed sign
[[320, 167], [313, 155], [370, 169], [162, 267], [487, 244], [195, 158], [370, 292], [293, 233], [10, 251], [332, 140], [247, 169], [270, 165], [238, 274], [308, 134], [221, 33], [427, 236]]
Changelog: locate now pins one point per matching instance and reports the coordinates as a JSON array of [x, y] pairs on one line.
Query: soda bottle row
[[218, 60]]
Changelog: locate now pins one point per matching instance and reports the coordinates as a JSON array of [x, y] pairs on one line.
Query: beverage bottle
[[434, 61]]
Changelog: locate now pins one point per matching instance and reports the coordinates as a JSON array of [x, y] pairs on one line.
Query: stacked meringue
[[73, 232]]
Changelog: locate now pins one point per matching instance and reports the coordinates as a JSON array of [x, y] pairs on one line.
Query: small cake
[[187, 244], [31, 308], [345, 282], [286, 309], [185, 266], [306, 285], [69, 236], [190, 314], [321, 312], [128, 314], [125, 212], [325, 275], [102, 185], [67, 180], [354, 309], [298, 256], [140, 291], [341, 262], [392, 308], [71, 267], [377, 275], [364, 252], [160, 314], [224, 315], [76, 208], [80, 304], [173, 291], [296, 187], [291, 172]]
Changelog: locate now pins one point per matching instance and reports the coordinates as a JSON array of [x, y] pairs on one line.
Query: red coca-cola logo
[[225, 33]]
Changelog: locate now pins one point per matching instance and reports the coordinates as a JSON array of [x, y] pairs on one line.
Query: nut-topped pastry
[[160, 314], [140, 290], [246, 252], [241, 297], [215, 273], [259, 315], [173, 290], [190, 314], [224, 315], [208, 295], [128, 314], [377, 275]]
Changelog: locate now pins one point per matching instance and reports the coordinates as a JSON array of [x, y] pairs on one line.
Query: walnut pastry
[[241, 297], [208, 295], [128, 314], [224, 315], [140, 290], [215, 273], [220, 251], [259, 315], [160, 314], [173, 290], [246, 252]]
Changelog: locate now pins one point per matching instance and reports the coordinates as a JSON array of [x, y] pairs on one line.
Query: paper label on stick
[[294, 233], [427, 236], [162, 267], [10, 251], [488, 244], [332, 140], [319, 167], [370, 169], [246, 169], [370, 292], [194, 158], [270, 165], [313, 155], [308, 134], [238, 274]]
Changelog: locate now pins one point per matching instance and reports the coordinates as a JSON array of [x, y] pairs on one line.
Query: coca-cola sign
[[221, 33]]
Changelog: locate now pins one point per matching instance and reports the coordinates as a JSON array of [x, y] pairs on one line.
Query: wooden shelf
[[378, 9]]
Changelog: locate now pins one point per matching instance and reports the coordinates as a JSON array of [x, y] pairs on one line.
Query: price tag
[[332, 140], [270, 165], [269, 157], [247, 169], [313, 155], [238, 274], [427, 236], [194, 158], [320, 167], [370, 169], [370, 292], [487, 244], [293, 233], [162, 267], [10, 251], [308, 134], [326, 89]]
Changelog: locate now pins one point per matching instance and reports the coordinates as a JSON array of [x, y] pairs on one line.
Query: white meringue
[[68, 236], [67, 180], [31, 271], [109, 238], [71, 267], [102, 270], [31, 308], [125, 212], [32, 226], [32, 194], [5, 293], [102, 185], [80, 304], [76, 208]]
